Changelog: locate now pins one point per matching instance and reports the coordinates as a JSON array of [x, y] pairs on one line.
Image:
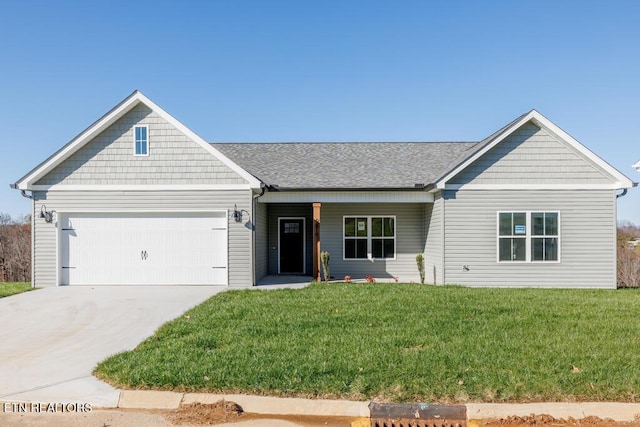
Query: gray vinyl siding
[[410, 231], [532, 155], [434, 240], [262, 241], [587, 238], [278, 210], [173, 158], [239, 234]]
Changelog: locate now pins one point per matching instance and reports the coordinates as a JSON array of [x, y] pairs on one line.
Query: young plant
[[324, 257], [420, 262]]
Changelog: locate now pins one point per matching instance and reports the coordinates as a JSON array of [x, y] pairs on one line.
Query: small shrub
[[370, 279], [324, 257], [347, 279], [420, 263]]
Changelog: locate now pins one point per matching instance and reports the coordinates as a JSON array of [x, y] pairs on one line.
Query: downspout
[[624, 193], [254, 207]]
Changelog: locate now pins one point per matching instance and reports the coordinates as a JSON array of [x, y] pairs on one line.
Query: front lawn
[[12, 288], [397, 343]]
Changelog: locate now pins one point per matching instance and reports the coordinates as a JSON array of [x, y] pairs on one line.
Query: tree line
[[628, 255], [15, 248]]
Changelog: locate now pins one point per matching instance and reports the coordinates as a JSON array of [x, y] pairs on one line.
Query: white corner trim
[[615, 186], [543, 122], [139, 187], [111, 117]]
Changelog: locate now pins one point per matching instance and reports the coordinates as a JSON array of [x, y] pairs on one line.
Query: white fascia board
[[541, 121], [637, 166], [347, 197], [107, 120], [613, 186], [140, 187]]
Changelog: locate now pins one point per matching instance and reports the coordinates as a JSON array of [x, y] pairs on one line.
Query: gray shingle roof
[[347, 165]]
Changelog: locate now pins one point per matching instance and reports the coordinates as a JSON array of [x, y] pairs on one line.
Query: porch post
[[316, 241]]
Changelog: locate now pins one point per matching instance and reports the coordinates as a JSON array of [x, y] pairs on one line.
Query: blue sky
[[321, 71]]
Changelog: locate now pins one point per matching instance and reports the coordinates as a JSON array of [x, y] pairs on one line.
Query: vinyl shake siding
[[173, 158], [532, 155], [587, 238]]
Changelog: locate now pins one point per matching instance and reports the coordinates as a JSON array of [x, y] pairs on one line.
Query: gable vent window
[[529, 236], [141, 141]]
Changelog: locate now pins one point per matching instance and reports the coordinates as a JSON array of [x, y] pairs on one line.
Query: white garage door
[[144, 249]]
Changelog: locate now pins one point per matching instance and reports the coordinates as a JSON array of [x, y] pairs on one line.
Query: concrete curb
[[150, 399], [577, 410]]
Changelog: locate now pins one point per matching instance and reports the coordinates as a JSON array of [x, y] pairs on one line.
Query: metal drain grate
[[417, 415], [414, 423]]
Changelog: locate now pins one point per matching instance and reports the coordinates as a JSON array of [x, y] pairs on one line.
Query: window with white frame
[[141, 140], [528, 236], [369, 237]]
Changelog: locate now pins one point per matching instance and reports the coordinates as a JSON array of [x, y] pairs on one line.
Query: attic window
[[141, 141]]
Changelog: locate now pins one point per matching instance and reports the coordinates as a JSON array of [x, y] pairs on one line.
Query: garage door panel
[[144, 249]]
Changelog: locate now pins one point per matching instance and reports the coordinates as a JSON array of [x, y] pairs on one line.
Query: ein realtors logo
[[45, 407]]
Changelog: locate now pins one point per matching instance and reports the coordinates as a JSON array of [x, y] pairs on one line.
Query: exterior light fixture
[[47, 215], [237, 215]]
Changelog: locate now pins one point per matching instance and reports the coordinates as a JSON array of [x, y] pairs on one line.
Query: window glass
[[505, 224], [350, 227], [376, 227], [141, 141], [361, 227], [537, 224], [389, 227], [528, 237], [389, 248], [369, 237], [519, 224], [551, 224]]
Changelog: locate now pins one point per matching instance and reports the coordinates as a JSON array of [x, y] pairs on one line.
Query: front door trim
[[304, 242]]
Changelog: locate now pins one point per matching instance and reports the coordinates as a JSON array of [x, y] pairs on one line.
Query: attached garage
[[143, 248]]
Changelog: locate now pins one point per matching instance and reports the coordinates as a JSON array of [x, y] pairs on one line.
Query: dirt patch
[[548, 420], [219, 412]]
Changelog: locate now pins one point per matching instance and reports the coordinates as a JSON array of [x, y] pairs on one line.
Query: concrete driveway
[[51, 339]]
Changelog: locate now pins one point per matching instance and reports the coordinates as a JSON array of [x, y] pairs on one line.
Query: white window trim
[[369, 238], [134, 141], [528, 257]]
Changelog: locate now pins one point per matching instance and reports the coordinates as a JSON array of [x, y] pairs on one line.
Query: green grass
[[397, 343], [12, 288]]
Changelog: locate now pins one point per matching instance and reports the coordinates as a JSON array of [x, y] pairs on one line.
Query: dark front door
[[291, 245]]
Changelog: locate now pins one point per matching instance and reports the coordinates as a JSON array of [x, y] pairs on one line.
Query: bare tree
[[628, 255], [15, 248]]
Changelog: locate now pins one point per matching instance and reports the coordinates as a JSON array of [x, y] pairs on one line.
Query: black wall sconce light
[[47, 215], [237, 215]]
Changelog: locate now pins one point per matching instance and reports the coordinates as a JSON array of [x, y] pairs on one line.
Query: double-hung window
[[141, 140], [528, 236], [369, 237]]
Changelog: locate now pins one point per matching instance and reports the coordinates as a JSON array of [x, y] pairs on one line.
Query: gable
[[531, 155], [174, 158]]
